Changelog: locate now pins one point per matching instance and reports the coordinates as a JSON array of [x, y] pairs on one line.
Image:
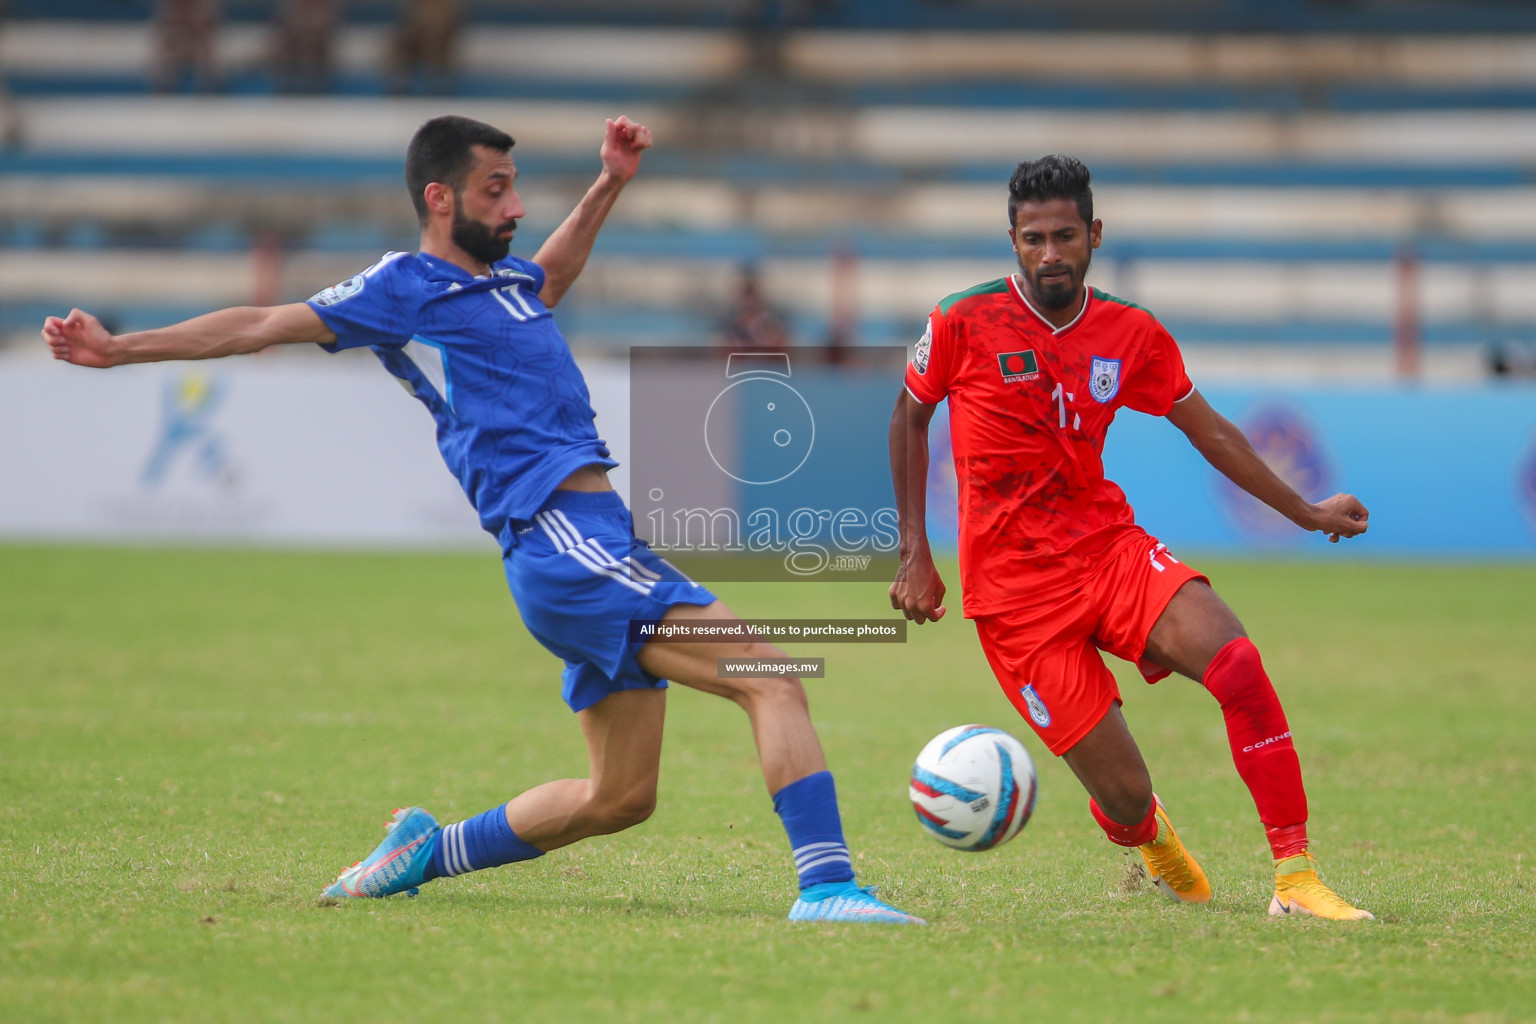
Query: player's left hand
[[623, 143], [918, 591], [1339, 516]]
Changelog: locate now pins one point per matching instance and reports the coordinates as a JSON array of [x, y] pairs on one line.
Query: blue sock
[[483, 841], [808, 808]]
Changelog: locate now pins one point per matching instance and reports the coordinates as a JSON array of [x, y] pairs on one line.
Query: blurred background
[[1322, 199]]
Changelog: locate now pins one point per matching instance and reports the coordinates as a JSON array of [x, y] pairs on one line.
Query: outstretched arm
[[918, 592], [565, 252], [1225, 447], [80, 338]]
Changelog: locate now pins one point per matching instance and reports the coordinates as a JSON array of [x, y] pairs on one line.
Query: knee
[[624, 810], [1236, 672], [1127, 801], [771, 691], [633, 810]]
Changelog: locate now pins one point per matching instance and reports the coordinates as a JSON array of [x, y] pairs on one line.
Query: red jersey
[[1029, 405]]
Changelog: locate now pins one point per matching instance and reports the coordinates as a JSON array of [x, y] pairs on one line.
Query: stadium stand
[[1286, 187]]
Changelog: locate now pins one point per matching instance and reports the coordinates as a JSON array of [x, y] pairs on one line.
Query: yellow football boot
[[1299, 892], [1171, 867]]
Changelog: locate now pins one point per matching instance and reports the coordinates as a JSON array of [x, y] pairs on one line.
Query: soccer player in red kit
[[1052, 564]]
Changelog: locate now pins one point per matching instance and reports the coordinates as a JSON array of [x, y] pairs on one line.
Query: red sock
[[1261, 744], [1125, 835]]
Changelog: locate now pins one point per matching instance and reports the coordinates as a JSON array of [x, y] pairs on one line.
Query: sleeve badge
[[920, 352], [338, 292]]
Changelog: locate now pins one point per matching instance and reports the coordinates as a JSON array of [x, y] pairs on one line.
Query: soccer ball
[[973, 787]]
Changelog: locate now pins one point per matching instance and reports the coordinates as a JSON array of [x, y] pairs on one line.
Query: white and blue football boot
[[400, 862], [846, 902]]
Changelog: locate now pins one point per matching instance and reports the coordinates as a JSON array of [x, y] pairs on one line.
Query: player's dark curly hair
[[1050, 177], [442, 151]]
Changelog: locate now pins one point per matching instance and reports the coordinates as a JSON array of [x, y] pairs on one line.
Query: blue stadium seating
[[601, 316]]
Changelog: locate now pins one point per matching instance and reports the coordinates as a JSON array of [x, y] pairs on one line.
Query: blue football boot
[[846, 901], [400, 862]]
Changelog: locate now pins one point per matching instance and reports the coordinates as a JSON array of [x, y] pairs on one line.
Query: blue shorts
[[579, 575]]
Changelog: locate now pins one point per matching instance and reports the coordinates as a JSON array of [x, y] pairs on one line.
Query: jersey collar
[[461, 280], [1013, 284], [443, 270], [439, 269]]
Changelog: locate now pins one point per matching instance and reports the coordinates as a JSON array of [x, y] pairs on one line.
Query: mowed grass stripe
[[192, 743]]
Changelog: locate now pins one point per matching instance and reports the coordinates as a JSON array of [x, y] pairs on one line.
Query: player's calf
[[1262, 749], [566, 811]]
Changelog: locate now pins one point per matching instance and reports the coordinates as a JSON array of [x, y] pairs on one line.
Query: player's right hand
[[623, 142], [918, 592], [1341, 516], [80, 339]]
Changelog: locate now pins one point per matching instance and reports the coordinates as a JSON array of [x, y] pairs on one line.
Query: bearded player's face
[[1054, 246], [486, 210]]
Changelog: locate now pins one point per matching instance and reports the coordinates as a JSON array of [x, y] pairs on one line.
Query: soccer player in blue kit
[[467, 329]]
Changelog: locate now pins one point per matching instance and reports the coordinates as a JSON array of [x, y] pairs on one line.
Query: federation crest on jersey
[[338, 292], [1104, 379], [1038, 712], [920, 353]]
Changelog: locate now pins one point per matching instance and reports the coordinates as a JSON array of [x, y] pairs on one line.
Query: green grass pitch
[[192, 743]]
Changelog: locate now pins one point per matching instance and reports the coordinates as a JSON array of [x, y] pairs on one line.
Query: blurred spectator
[[303, 33], [843, 324], [1511, 359], [751, 322], [422, 51], [10, 121], [766, 25], [765, 29], [185, 34], [10, 117]]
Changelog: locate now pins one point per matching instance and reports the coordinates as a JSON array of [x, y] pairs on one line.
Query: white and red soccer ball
[[973, 787]]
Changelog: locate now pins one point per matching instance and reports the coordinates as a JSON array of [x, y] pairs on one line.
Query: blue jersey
[[483, 354]]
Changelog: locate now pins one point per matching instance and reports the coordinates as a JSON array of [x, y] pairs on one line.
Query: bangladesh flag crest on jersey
[[1017, 366]]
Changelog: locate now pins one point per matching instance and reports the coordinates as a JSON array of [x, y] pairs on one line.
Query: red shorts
[[1046, 655]]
